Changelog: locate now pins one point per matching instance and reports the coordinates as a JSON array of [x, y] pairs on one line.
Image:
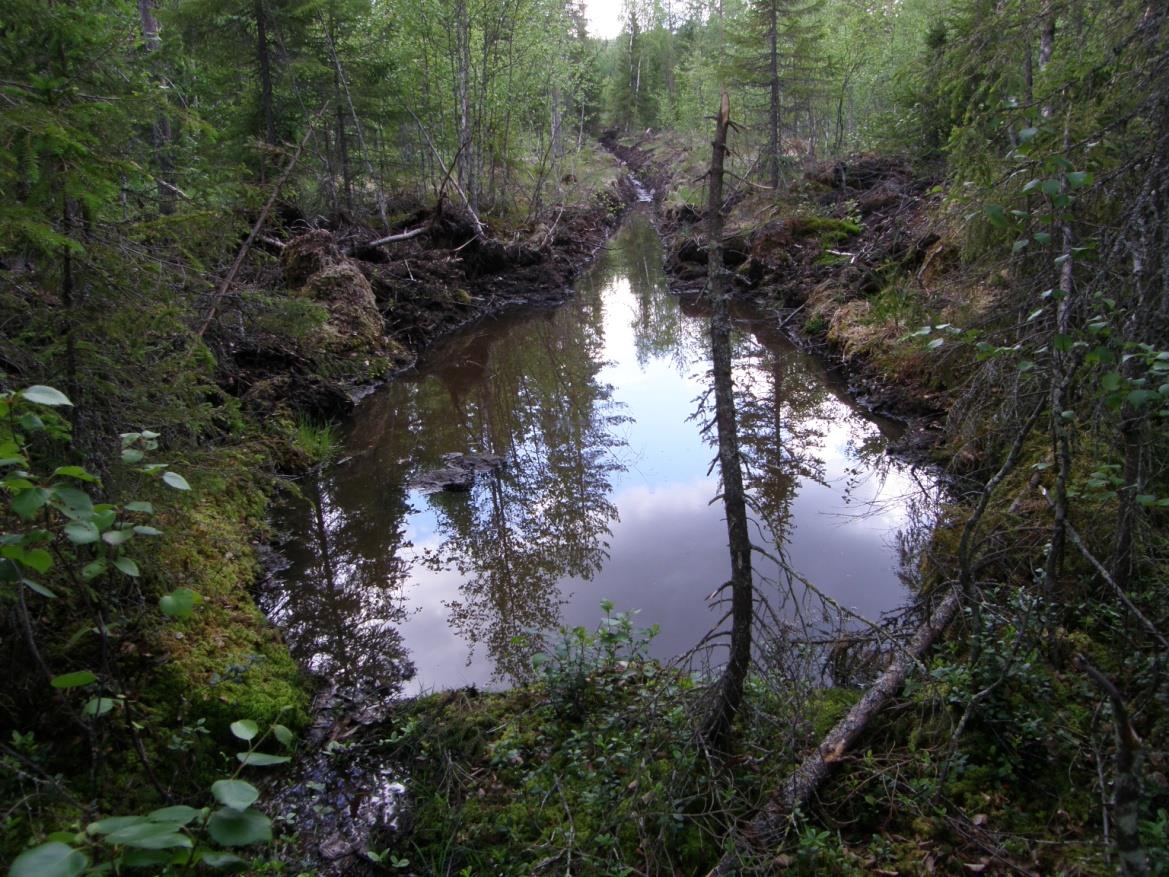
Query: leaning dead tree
[[729, 694], [770, 826]]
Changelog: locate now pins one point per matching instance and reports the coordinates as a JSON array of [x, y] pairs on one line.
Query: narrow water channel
[[607, 492]]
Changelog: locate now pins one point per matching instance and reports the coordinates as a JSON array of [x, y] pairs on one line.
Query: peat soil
[[385, 303]]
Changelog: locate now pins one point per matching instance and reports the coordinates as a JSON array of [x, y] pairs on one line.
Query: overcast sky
[[604, 18]]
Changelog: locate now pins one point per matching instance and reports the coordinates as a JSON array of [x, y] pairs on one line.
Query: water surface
[[599, 407]]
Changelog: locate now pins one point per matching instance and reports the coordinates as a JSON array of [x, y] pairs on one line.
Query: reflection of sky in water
[[666, 551]]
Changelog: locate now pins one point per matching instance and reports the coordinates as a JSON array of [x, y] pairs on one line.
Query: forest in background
[[969, 198]]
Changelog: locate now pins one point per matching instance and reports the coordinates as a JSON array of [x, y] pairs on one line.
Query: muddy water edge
[[598, 408]]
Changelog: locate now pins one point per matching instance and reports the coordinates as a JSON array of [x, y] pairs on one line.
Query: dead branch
[[769, 827], [401, 236], [479, 229], [1126, 787], [229, 278]]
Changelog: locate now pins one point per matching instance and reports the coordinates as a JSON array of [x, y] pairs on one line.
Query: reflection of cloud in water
[[607, 495]]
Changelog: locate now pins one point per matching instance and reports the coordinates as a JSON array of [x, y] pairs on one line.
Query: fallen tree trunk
[[769, 827], [402, 236]]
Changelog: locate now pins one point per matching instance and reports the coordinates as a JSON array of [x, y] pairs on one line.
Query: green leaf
[[132, 455], [72, 498], [117, 537], [237, 794], [153, 859], [82, 532], [149, 835], [1020, 245], [245, 729], [114, 823], [996, 215], [31, 423], [98, 706], [284, 735], [1111, 381], [128, 566], [28, 502], [9, 571], [175, 480], [92, 570], [1042, 237], [75, 679], [260, 759], [936, 343], [1031, 185], [37, 559], [236, 828], [222, 860], [49, 860], [38, 588], [179, 603], [1079, 179], [144, 507], [143, 530], [76, 472], [1050, 187], [1027, 134], [180, 814], [42, 395], [1138, 398]]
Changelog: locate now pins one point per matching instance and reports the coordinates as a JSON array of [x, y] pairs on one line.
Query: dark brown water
[[607, 493]]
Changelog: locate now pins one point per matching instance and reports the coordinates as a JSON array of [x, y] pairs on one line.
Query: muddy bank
[[344, 308]]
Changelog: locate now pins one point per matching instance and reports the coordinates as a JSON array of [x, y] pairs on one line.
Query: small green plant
[[170, 840], [816, 325], [579, 659], [317, 440], [60, 542], [60, 530]]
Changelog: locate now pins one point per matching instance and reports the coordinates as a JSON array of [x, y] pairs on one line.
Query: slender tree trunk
[[160, 133], [342, 141], [730, 687], [263, 55], [773, 144], [1047, 47], [465, 161]]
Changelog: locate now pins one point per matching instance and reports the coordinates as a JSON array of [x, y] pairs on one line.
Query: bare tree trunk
[[1047, 47], [342, 144], [374, 176], [160, 133], [1126, 788], [773, 144], [730, 687], [263, 56], [465, 162]]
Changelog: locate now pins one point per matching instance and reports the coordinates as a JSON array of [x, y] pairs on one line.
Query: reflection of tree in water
[[783, 410], [344, 626], [547, 515], [659, 329]]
